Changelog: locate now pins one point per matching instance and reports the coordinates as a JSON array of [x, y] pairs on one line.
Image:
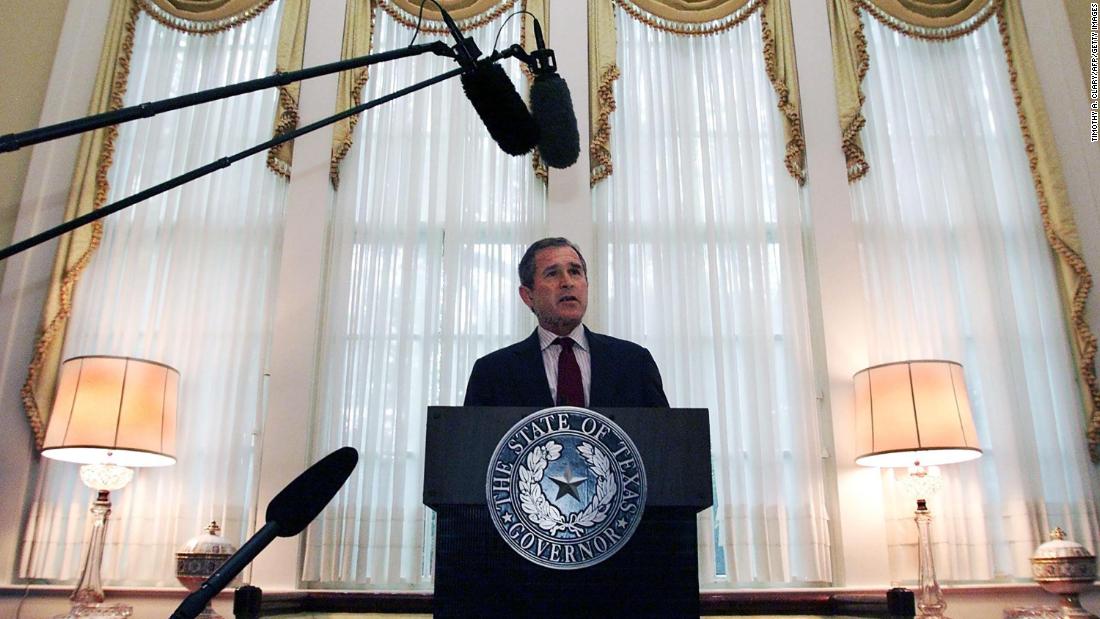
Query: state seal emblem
[[566, 488]]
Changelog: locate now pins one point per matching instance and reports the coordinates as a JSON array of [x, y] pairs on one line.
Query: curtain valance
[[940, 20], [691, 11], [942, 16], [458, 9], [358, 28], [203, 16], [690, 18], [927, 19], [206, 17], [468, 14]]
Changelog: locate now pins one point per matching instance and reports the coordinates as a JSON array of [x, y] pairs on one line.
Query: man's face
[[559, 296]]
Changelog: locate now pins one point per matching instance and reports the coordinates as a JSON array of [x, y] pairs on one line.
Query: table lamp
[[916, 414], [110, 414]]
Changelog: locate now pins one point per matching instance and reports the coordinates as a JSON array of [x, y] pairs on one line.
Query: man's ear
[[525, 294]]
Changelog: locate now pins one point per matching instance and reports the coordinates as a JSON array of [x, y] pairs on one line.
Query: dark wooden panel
[[728, 603], [674, 444]]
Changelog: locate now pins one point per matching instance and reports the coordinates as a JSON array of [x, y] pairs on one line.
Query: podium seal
[[566, 488]]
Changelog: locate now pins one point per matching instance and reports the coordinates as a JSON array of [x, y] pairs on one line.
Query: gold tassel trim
[[56, 325], [692, 30], [200, 28], [853, 153], [345, 144], [288, 120], [599, 148], [1085, 338]]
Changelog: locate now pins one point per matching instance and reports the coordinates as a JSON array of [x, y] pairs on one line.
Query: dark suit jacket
[[623, 374]]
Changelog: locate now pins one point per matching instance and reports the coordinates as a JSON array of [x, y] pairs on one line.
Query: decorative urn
[[1065, 568], [199, 558]]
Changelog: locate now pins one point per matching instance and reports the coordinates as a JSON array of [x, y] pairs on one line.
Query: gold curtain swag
[[90, 186], [603, 70], [850, 64], [359, 20], [358, 39], [941, 20], [691, 18], [291, 46], [87, 193], [1074, 279]]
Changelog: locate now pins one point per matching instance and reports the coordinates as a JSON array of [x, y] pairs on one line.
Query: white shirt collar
[[546, 338]]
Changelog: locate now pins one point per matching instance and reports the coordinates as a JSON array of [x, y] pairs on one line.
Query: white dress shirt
[[551, 351]]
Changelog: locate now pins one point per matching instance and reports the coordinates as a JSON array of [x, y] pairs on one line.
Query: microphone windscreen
[[302, 499], [559, 141], [500, 107]]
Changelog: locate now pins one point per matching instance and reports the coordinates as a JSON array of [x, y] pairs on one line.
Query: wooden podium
[[654, 575]]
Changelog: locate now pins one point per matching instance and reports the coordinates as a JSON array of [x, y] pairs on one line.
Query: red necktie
[[570, 387]]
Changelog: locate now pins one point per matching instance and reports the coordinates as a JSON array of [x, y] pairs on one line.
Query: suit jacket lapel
[[532, 373], [600, 391]]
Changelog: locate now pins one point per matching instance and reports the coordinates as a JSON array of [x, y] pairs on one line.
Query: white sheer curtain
[[700, 238], [430, 221], [185, 279], [956, 266]]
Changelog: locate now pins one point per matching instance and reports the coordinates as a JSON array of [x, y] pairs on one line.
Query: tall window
[[700, 239], [956, 266], [430, 221], [185, 279]]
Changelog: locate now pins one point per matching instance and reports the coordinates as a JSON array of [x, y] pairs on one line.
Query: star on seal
[[567, 484]]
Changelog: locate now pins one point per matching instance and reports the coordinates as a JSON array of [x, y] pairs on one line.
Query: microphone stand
[[145, 110]]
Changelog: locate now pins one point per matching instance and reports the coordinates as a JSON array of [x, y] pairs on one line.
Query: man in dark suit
[[563, 362]]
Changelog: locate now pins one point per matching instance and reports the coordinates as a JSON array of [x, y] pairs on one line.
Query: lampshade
[[913, 411], [114, 410]]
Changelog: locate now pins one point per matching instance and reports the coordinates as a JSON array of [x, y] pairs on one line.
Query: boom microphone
[[559, 141], [287, 514], [500, 107]]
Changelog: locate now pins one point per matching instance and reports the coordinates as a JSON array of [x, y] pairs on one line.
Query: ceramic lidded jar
[[1063, 566], [1066, 568], [200, 557]]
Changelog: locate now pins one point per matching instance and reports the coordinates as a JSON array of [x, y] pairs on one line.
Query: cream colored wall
[[23, 288], [29, 33], [28, 38], [1078, 13]]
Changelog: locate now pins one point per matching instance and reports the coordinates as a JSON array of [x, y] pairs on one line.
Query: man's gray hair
[[527, 263]]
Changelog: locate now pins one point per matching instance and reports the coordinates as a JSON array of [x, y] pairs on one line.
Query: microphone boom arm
[[213, 166], [141, 111], [15, 141]]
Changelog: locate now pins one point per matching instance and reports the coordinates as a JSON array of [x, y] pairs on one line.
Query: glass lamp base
[[98, 611]]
